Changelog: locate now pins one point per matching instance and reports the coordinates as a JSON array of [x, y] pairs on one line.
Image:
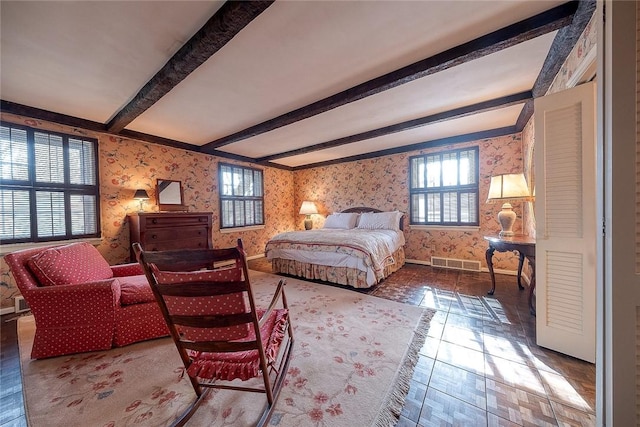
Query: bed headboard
[[363, 209]]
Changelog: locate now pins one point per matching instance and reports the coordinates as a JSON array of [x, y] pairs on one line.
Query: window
[[241, 196], [48, 186], [444, 188]]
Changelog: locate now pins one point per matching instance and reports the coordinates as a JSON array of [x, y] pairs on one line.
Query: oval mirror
[[169, 195]]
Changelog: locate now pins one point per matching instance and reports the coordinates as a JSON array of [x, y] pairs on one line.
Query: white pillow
[[345, 221], [380, 220]]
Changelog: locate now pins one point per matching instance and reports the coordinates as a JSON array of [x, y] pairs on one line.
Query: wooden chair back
[[206, 298]]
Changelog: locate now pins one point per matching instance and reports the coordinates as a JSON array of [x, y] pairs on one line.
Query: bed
[[358, 247]]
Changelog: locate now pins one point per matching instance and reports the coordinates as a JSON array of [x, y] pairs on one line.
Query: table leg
[[489, 257], [520, 263], [532, 285]]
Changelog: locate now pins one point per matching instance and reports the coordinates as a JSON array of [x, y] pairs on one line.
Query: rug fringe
[[390, 413]]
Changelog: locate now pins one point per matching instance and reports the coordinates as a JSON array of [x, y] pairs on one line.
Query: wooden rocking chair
[[203, 295]]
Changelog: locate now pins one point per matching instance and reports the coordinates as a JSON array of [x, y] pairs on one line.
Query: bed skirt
[[340, 275]]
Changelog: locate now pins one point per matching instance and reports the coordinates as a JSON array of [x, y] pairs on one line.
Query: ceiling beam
[[78, 123], [458, 139], [561, 47], [503, 38], [145, 137], [228, 21], [50, 116], [456, 113], [16, 109], [154, 139]]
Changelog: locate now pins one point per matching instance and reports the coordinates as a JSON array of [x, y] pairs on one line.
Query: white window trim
[[241, 229], [473, 228], [6, 249]]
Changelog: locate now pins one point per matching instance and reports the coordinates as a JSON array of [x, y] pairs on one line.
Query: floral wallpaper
[[128, 164], [383, 183], [528, 143], [588, 40]]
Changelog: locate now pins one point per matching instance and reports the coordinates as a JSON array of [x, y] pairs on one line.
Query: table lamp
[[508, 187], [308, 209], [141, 195]]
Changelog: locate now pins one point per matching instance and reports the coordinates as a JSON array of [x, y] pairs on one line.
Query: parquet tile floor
[[479, 366]]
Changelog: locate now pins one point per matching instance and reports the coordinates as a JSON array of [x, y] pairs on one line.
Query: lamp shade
[[141, 195], [508, 186], [308, 208]]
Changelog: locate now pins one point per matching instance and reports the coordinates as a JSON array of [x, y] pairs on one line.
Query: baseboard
[[500, 271], [417, 261], [249, 258], [483, 269]]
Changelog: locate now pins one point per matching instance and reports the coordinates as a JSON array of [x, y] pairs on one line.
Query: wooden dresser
[[161, 231]]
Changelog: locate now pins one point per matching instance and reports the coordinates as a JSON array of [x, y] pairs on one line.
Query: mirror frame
[[169, 206]]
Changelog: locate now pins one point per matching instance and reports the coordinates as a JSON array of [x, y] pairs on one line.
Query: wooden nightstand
[[526, 247]]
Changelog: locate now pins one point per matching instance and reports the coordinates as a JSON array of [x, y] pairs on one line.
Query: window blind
[[444, 188], [49, 187]]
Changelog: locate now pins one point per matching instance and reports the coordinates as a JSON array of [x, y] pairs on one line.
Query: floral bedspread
[[374, 247]]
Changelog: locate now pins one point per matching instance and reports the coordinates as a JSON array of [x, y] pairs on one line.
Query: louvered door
[[566, 225]]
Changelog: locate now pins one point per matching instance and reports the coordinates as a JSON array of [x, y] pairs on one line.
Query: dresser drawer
[[162, 221], [164, 234], [168, 245]]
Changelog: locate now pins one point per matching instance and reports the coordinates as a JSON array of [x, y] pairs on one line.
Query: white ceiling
[[89, 59]]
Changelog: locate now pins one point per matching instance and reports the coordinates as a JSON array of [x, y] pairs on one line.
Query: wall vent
[[21, 305], [458, 264]]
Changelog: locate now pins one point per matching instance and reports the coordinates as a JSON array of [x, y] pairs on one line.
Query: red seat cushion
[[243, 364], [135, 290], [69, 265]]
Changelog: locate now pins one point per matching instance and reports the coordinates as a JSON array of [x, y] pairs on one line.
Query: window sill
[[241, 229], [6, 249], [462, 228]]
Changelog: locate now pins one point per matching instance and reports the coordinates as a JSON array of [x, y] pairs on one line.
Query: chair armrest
[[274, 300], [84, 303], [123, 270]]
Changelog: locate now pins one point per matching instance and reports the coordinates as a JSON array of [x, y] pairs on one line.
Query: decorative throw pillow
[[341, 220], [69, 265], [380, 220], [135, 290]]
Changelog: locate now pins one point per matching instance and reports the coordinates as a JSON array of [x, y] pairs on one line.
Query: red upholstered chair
[[80, 303], [220, 334]]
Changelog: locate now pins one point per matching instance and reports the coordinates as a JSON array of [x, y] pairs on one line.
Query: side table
[[526, 247]]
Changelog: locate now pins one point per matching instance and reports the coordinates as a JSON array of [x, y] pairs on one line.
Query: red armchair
[[80, 303]]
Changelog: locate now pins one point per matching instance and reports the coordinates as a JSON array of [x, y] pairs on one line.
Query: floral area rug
[[352, 361]]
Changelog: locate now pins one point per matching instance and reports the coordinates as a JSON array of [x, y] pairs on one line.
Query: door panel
[[566, 229]]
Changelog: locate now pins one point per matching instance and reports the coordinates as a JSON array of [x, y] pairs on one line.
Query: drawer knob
[[154, 237], [154, 220]]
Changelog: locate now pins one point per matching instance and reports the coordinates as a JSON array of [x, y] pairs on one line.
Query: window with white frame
[[241, 196], [48, 185], [443, 188]]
